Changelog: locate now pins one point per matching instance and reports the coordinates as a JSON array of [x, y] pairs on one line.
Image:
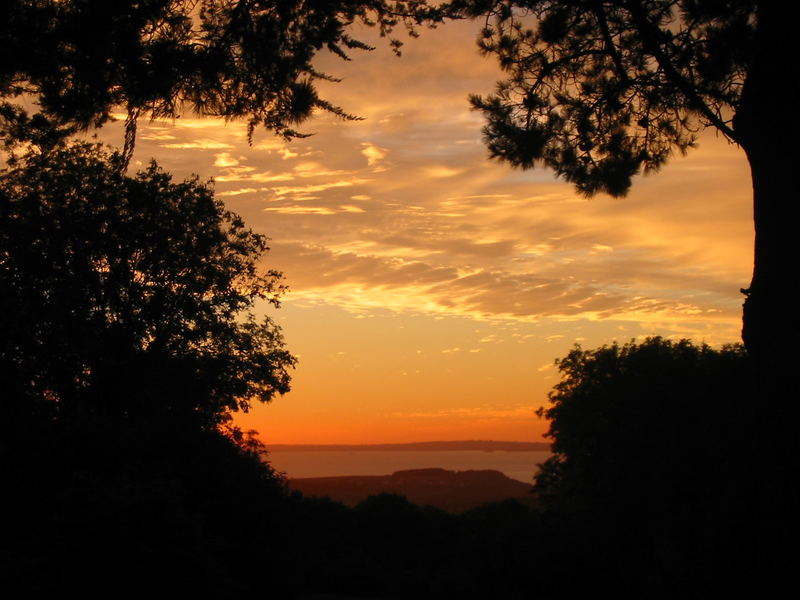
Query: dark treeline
[[648, 495]]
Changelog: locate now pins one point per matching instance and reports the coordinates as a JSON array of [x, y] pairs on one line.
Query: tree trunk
[[766, 125], [769, 324], [766, 122], [769, 327]]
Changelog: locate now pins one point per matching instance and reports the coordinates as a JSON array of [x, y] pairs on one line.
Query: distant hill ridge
[[471, 445], [454, 491]]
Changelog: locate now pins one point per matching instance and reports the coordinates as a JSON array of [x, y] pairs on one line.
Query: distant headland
[[453, 491], [466, 445]]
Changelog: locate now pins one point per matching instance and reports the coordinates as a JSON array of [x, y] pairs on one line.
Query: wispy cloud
[[473, 412], [403, 211], [202, 144], [225, 159], [374, 155]]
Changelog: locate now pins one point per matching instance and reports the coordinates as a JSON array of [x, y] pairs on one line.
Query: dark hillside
[[453, 491]]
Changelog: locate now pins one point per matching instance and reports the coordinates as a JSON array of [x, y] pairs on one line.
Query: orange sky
[[431, 289]]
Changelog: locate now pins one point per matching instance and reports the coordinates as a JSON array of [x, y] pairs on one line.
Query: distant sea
[[330, 463]]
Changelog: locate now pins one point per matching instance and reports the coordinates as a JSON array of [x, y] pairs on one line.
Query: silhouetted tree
[[252, 59], [649, 444], [601, 91], [128, 336], [130, 297]]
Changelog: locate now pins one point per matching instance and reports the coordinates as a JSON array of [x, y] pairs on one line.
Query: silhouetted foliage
[[643, 414], [99, 509], [127, 339], [650, 445], [130, 297], [600, 91], [387, 547], [82, 59]]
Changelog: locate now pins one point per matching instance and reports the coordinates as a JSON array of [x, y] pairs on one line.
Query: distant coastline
[[467, 445]]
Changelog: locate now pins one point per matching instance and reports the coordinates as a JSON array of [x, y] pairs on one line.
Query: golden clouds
[[440, 229], [201, 144], [374, 154], [313, 210], [224, 159], [472, 412], [443, 171], [401, 217]]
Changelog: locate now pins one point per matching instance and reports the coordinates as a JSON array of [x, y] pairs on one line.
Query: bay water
[[330, 463]]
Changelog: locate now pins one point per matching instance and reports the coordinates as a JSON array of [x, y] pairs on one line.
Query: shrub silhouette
[[650, 442]]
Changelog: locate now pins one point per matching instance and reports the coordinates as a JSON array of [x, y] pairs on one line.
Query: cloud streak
[[403, 210]]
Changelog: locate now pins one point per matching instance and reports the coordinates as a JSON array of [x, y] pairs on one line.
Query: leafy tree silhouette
[[131, 297], [128, 337], [601, 91], [649, 444]]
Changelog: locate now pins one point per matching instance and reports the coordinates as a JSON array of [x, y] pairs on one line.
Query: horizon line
[[477, 443]]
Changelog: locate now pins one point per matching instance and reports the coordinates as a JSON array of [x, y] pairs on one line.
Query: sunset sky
[[431, 288]]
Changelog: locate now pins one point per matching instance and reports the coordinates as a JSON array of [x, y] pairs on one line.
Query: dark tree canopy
[[626, 418], [652, 447], [601, 91], [79, 60], [130, 296]]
